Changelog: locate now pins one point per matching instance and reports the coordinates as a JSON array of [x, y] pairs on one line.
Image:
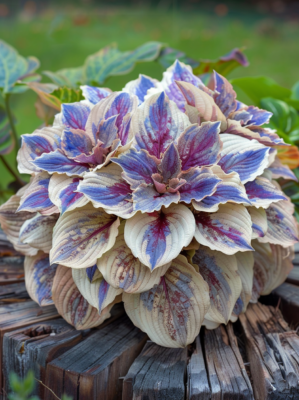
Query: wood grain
[[92, 368], [273, 352], [158, 373], [31, 348]]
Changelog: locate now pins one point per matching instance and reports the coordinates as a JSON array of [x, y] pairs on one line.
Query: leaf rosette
[[164, 195]]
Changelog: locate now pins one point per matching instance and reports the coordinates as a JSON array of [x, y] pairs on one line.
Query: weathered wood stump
[[256, 358]]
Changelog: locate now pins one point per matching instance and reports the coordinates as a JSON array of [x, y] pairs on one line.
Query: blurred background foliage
[[62, 34]]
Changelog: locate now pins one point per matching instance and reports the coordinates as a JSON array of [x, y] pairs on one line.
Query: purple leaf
[[170, 166], [138, 167], [95, 94], [200, 145], [157, 123], [201, 182], [58, 162], [75, 115], [226, 99]]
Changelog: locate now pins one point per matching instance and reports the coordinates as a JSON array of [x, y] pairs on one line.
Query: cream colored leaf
[[227, 230], [259, 222], [220, 272], [159, 237], [98, 293], [204, 103], [81, 236], [11, 223], [122, 270], [39, 275], [71, 305], [171, 313], [38, 231], [62, 192]]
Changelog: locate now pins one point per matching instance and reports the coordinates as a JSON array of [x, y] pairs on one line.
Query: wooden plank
[[91, 369], [287, 295], [293, 276], [197, 381], [12, 293], [226, 371], [157, 373], [273, 353], [11, 270], [18, 315], [31, 348]]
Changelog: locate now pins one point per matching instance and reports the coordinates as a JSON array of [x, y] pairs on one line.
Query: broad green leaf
[[284, 116], [224, 65], [111, 61], [14, 67], [68, 95], [259, 87], [6, 139], [295, 91], [70, 77], [168, 56], [54, 96]]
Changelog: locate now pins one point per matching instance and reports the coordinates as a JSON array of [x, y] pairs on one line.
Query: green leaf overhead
[[15, 68], [111, 61], [70, 77], [259, 87]]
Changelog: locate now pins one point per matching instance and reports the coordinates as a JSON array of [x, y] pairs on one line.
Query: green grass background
[[64, 37]]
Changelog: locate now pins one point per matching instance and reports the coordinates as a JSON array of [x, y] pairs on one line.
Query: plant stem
[[11, 171], [11, 122]]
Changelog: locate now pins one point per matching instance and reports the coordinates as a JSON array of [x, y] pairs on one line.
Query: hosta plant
[[163, 196]]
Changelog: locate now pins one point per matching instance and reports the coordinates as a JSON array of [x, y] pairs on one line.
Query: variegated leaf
[[11, 223], [272, 264], [259, 222], [156, 124], [266, 136], [41, 141], [107, 189], [140, 86], [220, 272], [70, 303], [98, 293], [261, 192], [159, 237], [282, 226], [203, 102], [230, 189], [227, 230], [245, 263], [37, 232], [171, 313], [39, 275], [81, 236], [248, 158], [279, 170], [122, 270], [63, 193], [36, 196]]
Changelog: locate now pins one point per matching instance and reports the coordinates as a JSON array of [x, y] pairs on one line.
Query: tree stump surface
[[256, 358]]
